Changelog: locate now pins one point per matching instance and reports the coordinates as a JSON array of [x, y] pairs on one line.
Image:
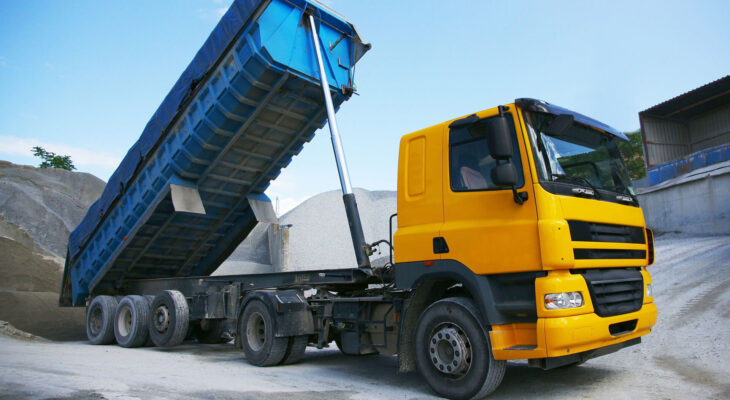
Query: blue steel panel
[[667, 172], [698, 160], [251, 115], [715, 156], [654, 177]]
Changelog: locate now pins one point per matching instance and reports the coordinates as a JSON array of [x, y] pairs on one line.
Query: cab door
[[484, 228]]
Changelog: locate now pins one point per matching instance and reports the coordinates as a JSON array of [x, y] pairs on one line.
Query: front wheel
[[453, 352]]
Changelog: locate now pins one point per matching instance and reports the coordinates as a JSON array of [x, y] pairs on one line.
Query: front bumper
[[579, 333], [568, 335]]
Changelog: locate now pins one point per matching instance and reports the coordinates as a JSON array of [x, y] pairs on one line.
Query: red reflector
[[428, 263], [125, 238]]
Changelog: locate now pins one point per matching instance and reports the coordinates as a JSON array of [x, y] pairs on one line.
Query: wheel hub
[[161, 321], [256, 331], [125, 321], [450, 350], [96, 320]]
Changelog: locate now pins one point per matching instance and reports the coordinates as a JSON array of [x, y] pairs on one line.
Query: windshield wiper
[[579, 180], [628, 197]]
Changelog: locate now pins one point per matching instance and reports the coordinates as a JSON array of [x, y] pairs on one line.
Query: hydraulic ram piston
[[353, 215]]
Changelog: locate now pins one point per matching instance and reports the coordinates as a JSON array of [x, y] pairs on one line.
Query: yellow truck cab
[[523, 218]]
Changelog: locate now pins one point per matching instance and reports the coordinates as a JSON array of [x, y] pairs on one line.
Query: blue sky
[[83, 77]]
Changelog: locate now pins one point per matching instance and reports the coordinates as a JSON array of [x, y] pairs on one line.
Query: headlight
[[558, 301], [649, 291]]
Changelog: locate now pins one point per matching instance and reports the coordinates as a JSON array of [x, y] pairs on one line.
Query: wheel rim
[[161, 320], [450, 350], [124, 321], [96, 320], [256, 331]]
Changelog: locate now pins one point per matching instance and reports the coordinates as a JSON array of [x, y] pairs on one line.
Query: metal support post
[[353, 215]]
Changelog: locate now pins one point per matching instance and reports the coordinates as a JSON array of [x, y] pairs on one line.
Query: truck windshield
[[577, 155]]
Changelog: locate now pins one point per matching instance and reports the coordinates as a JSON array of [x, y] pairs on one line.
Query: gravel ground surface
[[685, 357]]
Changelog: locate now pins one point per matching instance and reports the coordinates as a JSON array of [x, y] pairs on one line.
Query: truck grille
[[604, 254], [581, 231], [614, 291]]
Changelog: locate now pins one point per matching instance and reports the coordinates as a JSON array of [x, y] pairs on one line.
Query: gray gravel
[[319, 233]]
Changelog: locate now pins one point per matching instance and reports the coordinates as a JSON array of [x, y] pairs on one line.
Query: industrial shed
[[687, 154]]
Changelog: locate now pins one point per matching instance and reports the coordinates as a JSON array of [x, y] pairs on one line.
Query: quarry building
[[687, 153]]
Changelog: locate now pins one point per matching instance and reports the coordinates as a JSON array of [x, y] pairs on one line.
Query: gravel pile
[[44, 205], [319, 236]]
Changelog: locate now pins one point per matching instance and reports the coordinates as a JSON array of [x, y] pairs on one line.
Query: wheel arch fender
[[289, 309], [430, 284]]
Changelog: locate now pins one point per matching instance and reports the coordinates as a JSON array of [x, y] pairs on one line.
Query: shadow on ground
[[520, 381]]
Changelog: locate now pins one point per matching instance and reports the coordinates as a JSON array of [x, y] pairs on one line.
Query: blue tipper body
[[241, 110]]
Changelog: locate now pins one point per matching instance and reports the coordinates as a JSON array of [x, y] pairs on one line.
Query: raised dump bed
[[184, 196]]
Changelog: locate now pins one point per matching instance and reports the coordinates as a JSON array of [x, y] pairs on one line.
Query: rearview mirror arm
[[519, 197]]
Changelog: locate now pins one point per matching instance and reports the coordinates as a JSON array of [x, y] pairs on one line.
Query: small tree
[[52, 160], [633, 155]]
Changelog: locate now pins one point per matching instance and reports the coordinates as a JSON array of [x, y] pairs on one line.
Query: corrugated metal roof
[[697, 101]]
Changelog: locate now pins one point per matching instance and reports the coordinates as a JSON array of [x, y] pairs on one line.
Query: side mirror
[[499, 138], [504, 175]]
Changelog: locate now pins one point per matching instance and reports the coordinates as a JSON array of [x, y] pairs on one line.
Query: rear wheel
[[453, 352], [100, 320], [295, 349], [131, 321], [256, 330], [170, 319]]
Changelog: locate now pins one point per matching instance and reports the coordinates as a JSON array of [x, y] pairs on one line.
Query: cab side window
[[470, 164]]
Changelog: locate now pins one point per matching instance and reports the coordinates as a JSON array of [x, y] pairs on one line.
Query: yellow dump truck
[[518, 234]]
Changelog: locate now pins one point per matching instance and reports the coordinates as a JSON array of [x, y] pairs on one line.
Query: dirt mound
[[7, 329], [24, 270], [38, 209], [29, 285], [38, 313]]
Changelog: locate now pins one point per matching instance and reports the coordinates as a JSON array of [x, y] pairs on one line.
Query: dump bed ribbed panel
[[253, 111]]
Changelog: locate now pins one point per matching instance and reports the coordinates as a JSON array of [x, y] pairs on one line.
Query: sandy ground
[[685, 357]]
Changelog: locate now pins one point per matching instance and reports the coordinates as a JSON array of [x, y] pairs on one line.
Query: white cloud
[[221, 11], [80, 156]]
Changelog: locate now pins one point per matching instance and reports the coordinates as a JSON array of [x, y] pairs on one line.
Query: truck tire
[[211, 331], [453, 352], [169, 319], [100, 320], [295, 349], [256, 330], [131, 321]]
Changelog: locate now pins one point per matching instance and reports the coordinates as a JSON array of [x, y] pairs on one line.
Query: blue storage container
[[716, 155], [241, 110], [667, 172], [698, 160]]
